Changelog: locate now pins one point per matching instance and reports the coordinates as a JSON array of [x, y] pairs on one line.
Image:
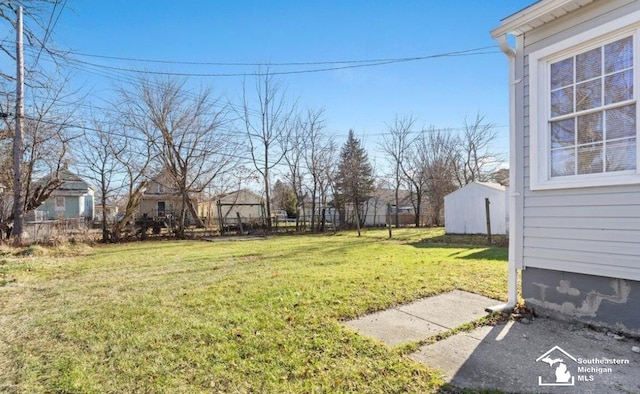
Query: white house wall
[[592, 230]]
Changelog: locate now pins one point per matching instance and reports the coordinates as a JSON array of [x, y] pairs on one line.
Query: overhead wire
[[275, 64], [123, 75]]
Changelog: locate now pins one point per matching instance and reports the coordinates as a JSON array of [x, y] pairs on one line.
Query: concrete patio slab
[[545, 356], [517, 357], [424, 318], [450, 310], [394, 327]]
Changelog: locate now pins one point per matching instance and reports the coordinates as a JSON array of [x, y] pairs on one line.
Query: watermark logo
[[557, 359], [566, 370]]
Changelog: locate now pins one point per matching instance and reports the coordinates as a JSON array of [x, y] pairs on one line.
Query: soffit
[[536, 15]]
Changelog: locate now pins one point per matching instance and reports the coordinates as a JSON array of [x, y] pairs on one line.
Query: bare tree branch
[[268, 124]]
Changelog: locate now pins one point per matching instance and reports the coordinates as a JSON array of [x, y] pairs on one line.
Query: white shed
[[465, 212]]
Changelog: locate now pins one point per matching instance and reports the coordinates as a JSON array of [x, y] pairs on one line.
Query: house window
[[60, 206], [593, 112], [583, 112]]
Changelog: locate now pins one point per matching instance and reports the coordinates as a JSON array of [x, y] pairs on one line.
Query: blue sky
[[438, 92]]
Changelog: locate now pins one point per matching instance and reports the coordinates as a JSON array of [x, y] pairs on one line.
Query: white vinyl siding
[[592, 230]]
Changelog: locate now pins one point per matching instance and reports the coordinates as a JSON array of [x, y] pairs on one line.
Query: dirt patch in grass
[[438, 237]]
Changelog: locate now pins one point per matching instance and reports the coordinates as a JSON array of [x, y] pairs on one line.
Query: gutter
[[512, 284]]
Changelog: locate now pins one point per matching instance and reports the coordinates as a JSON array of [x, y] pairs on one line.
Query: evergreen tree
[[284, 198], [354, 180]]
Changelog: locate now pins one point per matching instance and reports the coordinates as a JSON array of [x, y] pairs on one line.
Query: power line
[[346, 64], [290, 72], [120, 75], [276, 64]]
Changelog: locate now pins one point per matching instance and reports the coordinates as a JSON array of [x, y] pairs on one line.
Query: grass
[[230, 317]]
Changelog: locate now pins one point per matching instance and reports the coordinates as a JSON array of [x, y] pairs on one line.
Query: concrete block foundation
[[596, 300]]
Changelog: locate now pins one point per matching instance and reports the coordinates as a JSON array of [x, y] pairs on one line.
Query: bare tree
[[476, 158], [437, 150], [40, 19], [136, 154], [268, 122], [185, 132], [38, 34], [415, 175], [501, 176], [99, 151], [319, 158], [294, 152], [46, 138], [48, 133], [395, 145]]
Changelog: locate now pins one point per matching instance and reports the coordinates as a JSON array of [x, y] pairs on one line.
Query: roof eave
[[537, 15]]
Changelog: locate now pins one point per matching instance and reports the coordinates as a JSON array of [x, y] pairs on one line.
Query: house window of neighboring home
[[584, 112], [60, 206]]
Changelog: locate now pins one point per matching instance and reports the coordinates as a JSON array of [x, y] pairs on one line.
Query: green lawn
[[227, 316]]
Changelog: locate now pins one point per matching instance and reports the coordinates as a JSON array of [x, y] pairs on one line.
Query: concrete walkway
[[544, 356]]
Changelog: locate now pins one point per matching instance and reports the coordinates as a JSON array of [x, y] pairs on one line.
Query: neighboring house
[[74, 198], [575, 180], [161, 199], [375, 209], [110, 209], [225, 208], [465, 210]]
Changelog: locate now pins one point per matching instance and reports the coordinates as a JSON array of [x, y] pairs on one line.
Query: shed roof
[[536, 15], [489, 185], [238, 196]]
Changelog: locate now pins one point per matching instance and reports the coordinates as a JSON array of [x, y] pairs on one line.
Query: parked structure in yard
[[575, 200], [465, 213], [73, 199], [224, 209]]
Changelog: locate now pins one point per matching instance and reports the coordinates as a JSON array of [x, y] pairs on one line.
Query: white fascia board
[[536, 15]]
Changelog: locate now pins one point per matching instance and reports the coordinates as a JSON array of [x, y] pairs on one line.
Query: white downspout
[[512, 284]]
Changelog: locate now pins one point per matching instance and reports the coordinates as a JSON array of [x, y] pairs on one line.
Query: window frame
[[540, 105], [59, 207]]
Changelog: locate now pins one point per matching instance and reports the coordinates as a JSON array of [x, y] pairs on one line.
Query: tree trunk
[[397, 213], [105, 230], [357, 212], [268, 203], [194, 214], [313, 207], [418, 209]]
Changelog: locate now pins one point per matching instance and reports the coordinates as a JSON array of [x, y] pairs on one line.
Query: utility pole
[[17, 139]]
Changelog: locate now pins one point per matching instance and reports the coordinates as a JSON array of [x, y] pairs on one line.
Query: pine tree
[[354, 180]]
